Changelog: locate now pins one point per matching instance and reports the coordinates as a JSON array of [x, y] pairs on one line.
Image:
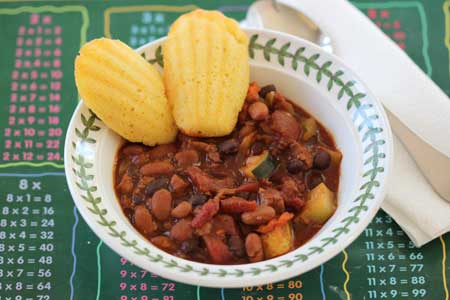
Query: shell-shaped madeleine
[[206, 72], [125, 91]]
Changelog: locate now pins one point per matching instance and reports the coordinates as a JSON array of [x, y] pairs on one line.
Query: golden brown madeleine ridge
[[206, 72], [125, 91]]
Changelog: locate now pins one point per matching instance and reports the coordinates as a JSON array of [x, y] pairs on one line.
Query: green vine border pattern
[[372, 151]]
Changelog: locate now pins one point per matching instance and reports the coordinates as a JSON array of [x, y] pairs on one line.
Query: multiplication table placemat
[[47, 252]]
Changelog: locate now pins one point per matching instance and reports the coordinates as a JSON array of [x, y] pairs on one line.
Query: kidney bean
[[143, 220], [322, 160], [258, 111], [182, 210], [161, 204], [157, 184], [156, 168], [254, 247], [182, 230], [261, 215]]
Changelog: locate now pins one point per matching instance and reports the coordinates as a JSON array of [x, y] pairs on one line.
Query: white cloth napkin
[[418, 110]]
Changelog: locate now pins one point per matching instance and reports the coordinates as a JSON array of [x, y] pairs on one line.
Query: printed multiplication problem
[[151, 27], [139, 25], [27, 242], [139, 284], [33, 131], [35, 238], [122, 280], [394, 268], [285, 290]]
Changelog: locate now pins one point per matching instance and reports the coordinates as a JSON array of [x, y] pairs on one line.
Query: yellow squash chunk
[[125, 91], [278, 241], [206, 72], [320, 205], [309, 128]]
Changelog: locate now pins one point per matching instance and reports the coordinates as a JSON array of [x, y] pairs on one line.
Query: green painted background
[[50, 253]]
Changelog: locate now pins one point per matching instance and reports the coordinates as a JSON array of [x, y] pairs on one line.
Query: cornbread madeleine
[[206, 72], [125, 91]]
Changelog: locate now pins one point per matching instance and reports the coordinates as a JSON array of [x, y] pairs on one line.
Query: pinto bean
[[143, 220], [182, 210], [157, 168], [261, 215], [182, 230], [272, 197], [163, 242], [162, 151], [254, 247], [126, 184], [187, 158], [161, 204], [258, 111], [177, 184], [133, 149]]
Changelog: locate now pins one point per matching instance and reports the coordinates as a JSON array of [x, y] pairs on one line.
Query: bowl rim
[[261, 278]]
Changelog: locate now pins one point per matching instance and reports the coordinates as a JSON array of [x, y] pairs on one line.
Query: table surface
[[46, 249]]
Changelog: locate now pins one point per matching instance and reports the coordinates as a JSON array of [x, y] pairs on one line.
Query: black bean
[[155, 185], [198, 199], [189, 246], [257, 148], [322, 160], [267, 89], [137, 199], [229, 146], [294, 166]]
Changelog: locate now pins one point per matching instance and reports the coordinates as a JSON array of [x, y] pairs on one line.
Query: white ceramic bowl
[[313, 79]]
